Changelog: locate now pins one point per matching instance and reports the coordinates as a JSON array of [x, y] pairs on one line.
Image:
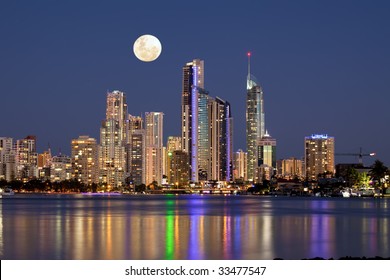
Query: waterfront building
[[240, 165], [137, 157], [7, 160], [26, 158], [44, 159], [266, 157], [319, 155], [255, 123], [178, 168], [154, 147], [116, 109], [206, 128], [134, 123], [44, 163], [174, 143], [113, 141], [290, 168], [193, 81], [60, 168], [84, 159], [220, 140]]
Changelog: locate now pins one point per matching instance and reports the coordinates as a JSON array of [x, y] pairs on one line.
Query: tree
[[363, 179], [378, 171], [140, 188], [352, 176]]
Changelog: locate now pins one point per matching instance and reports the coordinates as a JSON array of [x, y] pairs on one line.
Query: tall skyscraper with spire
[[255, 124]]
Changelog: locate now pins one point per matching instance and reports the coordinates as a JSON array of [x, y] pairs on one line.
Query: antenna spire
[[249, 64]]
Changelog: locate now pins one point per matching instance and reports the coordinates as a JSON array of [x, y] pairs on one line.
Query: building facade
[[178, 170], [193, 80], [255, 122], [154, 147], [7, 159], [290, 168], [138, 151], [240, 166], [26, 158], [319, 155], [84, 159], [113, 141], [266, 157], [220, 140]]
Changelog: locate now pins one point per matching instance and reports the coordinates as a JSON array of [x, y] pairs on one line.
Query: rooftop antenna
[[249, 64]]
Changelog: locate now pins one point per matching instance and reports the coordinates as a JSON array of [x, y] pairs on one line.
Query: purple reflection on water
[[199, 227]]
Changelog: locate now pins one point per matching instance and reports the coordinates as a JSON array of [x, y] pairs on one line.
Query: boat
[[346, 192], [6, 191]]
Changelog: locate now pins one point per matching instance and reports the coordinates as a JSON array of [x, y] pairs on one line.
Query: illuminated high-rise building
[[44, 159], [60, 168], [290, 168], [178, 168], [154, 147], [116, 109], [138, 152], [84, 159], [134, 123], [255, 123], [7, 159], [220, 140], [266, 157], [240, 165], [193, 81], [174, 143], [26, 158], [113, 141], [319, 155]]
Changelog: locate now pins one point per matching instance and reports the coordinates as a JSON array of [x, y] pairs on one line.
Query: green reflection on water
[[170, 230]]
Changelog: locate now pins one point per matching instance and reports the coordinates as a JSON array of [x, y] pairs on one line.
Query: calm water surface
[[191, 227]]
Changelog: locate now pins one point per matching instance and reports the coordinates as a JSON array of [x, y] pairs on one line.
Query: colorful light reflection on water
[[191, 227]]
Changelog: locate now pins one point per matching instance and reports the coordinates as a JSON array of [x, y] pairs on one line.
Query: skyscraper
[[319, 155], [113, 140], [134, 123], [255, 123], [193, 80], [7, 159], [178, 168], [220, 140], [266, 157], [154, 147], [138, 174], [26, 158], [84, 156], [240, 165]]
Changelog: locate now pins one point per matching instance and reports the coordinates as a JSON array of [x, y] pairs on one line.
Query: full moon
[[147, 48]]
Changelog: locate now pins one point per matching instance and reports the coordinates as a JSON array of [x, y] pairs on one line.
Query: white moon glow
[[147, 48]]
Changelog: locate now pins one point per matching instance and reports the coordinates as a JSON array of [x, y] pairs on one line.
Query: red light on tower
[[249, 53]]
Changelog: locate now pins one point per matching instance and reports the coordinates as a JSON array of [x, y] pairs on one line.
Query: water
[[191, 227]]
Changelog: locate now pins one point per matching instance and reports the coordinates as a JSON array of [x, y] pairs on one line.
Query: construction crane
[[360, 155]]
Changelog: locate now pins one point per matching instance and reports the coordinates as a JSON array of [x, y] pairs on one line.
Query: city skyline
[[317, 69]]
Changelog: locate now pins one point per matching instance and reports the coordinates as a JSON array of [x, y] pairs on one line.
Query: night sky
[[324, 67]]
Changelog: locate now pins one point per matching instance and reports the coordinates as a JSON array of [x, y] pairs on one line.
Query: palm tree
[[378, 171]]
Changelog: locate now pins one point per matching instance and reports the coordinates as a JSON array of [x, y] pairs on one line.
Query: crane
[[360, 155]]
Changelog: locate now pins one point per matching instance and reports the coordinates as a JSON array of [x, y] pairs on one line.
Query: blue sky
[[323, 65]]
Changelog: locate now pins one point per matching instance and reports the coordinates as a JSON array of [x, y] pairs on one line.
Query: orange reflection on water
[[193, 228]]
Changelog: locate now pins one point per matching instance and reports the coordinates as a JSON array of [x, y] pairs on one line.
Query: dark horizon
[[323, 68]]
